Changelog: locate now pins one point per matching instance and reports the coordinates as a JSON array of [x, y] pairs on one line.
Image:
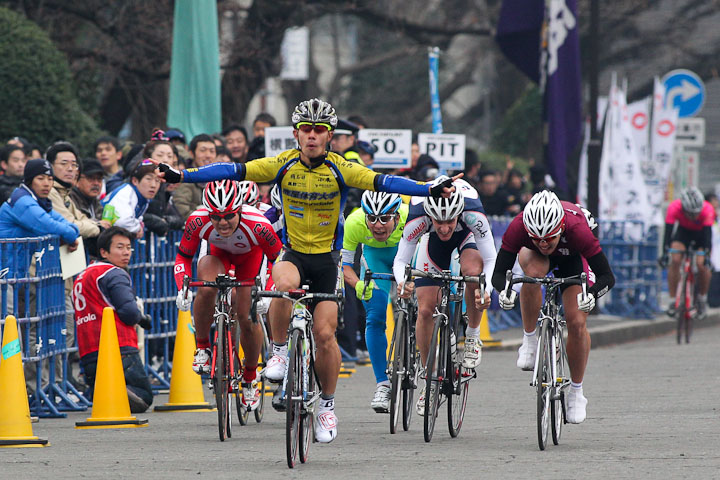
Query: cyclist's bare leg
[[471, 264], [427, 297], [673, 272], [578, 343], [704, 275], [250, 333], [208, 268], [286, 277], [327, 355], [533, 264]]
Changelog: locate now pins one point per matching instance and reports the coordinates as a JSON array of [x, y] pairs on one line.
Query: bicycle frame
[[686, 293]]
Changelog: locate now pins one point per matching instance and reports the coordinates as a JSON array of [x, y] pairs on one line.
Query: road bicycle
[[301, 387], [686, 300], [225, 369], [551, 373], [403, 360], [444, 374]]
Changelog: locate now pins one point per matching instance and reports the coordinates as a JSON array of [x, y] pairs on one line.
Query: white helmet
[[380, 203], [692, 200], [314, 111], [444, 209], [544, 215], [250, 192], [275, 199]]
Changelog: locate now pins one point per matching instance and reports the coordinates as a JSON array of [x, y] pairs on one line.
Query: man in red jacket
[[106, 283]]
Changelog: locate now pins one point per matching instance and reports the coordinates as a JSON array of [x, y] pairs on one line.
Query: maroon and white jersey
[[577, 238]]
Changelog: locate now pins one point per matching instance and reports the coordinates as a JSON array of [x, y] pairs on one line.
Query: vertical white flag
[[662, 142], [582, 190]]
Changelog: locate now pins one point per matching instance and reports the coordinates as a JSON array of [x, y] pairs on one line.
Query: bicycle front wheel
[[411, 362], [557, 407], [457, 399], [260, 410], [306, 414], [220, 381], [434, 373], [543, 382], [397, 371], [293, 398]]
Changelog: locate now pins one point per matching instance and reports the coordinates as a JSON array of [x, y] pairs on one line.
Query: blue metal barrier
[[151, 270], [631, 249], [33, 290]]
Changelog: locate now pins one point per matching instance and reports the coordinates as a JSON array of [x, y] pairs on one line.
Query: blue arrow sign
[[684, 90]]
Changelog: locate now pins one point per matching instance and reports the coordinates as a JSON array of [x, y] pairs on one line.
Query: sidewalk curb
[[625, 331]]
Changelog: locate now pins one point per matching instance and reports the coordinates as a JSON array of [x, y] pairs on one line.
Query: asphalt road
[[652, 413]]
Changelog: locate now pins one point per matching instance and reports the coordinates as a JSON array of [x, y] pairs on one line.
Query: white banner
[[623, 194], [582, 190], [393, 146], [662, 141], [278, 139], [295, 53], [639, 114]]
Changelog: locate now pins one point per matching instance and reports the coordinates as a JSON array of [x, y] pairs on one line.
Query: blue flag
[[541, 38]]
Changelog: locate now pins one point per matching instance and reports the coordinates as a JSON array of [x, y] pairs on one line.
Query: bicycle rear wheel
[[397, 366], [434, 373], [543, 386], [457, 399], [306, 414], [411, 361], [293, 399], [557, 407], [220, 381]]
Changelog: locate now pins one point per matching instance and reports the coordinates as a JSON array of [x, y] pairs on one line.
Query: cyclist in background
[[378, 226], [547, 234], [689, 219], [451, 223], [239, 238], [313, 187]]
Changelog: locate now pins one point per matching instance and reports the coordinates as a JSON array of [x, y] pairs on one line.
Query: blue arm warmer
[[215, 171], [395, 184]]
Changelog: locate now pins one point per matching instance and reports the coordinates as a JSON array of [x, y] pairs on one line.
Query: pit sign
[[448, 149]]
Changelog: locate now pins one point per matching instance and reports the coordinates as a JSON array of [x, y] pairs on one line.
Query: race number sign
[[448, 149], [278, 139], [393, 146]]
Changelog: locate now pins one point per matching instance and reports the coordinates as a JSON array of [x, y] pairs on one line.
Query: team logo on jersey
[[324, 224], [296, 214], [179, 268], [419, 230]]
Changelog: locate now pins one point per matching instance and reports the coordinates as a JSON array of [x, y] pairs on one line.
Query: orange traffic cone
[[111, 407], [186, 392], [485, 336], [15, 427]]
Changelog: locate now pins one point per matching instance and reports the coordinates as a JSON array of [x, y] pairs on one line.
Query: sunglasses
[[308, 127], [373, 219], [227, 216], [547, 239]]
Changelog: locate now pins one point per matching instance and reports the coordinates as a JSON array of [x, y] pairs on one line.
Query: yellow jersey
[[312, 198]]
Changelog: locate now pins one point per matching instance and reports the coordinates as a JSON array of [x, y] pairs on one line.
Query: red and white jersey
[[254, 232]]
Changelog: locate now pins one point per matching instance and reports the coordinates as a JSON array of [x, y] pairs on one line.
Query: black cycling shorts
[[321, 271], [686, 237], [565, 266]]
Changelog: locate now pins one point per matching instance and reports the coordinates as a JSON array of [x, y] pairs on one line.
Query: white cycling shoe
[[527, 352], [326, 421], [576, 406]]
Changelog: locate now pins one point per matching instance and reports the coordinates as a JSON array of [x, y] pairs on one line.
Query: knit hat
[[35, 167]]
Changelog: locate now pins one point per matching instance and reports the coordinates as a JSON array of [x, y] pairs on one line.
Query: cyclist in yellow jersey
[[313, 186]]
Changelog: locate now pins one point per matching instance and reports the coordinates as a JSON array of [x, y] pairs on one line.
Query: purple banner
[[554, 64]]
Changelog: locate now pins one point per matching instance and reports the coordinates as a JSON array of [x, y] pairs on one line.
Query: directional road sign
[[684, 90]]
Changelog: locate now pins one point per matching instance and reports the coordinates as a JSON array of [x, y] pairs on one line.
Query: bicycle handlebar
[[581, 280], [369, 275], [299, 294]]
